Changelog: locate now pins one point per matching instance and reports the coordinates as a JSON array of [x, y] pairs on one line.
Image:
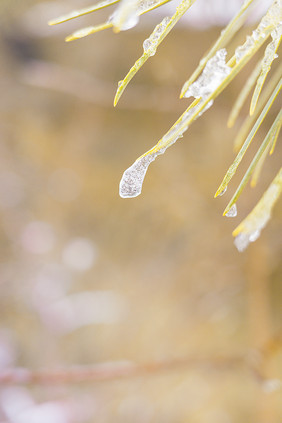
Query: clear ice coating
[[126, 16], [147, 4], [243, 239], [223, 191], [232, 212], [151, 43], [252, 226], [213, 74], [132, 179], [272, 18], [251, 232]]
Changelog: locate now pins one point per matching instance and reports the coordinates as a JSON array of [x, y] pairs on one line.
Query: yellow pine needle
[[84, 32], [154, 6], [258, 168], [243, 95], [270, 146], [249, 229], [269, 56], [249, 121], [87, 31], [227, 34], [266, 142], [82, 12], [181, 125], [274, 140], [180, 10], [232, 169]]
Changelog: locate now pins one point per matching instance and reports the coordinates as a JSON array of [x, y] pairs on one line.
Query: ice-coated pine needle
[[250, 228], [232, 169], [266, 143], [258, 168], [274, 139], [151, 44], [81, 12], [250, 120], [87, 31], [271, 147], [243, 95], [226, 35], [269, 56], [143, 7]]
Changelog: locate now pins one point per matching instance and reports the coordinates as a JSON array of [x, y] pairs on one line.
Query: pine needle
[[151, 44], [77, 13], [274, 140], [226, 35], [83, 32], [243, 95], [250, 228], [232, 169], [266, 143], [249, 121], [269, 56], [88, 31]]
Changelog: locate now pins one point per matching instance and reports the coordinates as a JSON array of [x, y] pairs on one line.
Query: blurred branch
[[81, 85], [125, 370]]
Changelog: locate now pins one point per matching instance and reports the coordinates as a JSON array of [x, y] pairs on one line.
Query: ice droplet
[[223, 191], [132, 179], [214, 73], [126, 15], [232, 212], [254, 236], [241, 242]]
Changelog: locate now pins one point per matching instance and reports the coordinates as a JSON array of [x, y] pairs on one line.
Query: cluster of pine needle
[[206, 83]]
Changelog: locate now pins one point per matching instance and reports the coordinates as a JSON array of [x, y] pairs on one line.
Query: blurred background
[[87, 277]]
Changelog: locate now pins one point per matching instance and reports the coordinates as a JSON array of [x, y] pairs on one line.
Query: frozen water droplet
[[223, 191], [147, 44], [232, 212], [241, 242], [254, 236], [130, 22], [132, 179], [126, 15]]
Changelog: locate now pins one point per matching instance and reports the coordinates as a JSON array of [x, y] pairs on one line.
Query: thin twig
[[122, 370]]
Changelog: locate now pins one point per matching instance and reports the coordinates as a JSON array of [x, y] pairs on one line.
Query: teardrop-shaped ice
[[132, 179], [126, 15], [232, 212], [223, 191]]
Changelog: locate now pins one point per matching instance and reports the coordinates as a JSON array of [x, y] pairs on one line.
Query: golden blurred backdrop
[[88, 278]]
